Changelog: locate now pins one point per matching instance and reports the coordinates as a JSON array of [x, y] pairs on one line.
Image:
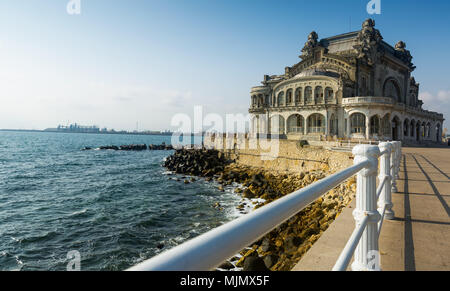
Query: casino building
[[351, 86]]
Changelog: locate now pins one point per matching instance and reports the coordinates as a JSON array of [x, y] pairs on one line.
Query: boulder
[[254, 263], [270, 260]]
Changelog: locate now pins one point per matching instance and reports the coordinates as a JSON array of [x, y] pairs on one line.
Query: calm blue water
[[114, 207]]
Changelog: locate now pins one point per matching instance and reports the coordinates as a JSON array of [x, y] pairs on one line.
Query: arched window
[[358, 123], [295, 123], [406, 127], [329, 94], [289, 97], [276, 124], [396, 125], [316, 123], [318, 94], [391, 89], [298, 95], [374, 125], [418, 125], [413, 125], [281, 99], [308, 95], [333, 125]]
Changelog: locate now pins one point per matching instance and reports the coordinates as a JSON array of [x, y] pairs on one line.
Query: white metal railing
[[295, 129], [209, 250], [365, 100], [363, 243]]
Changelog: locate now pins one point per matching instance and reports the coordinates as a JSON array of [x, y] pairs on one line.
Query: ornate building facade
[[350, 86]]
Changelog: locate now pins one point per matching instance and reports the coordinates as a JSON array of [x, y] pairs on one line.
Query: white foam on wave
[[78, 212]]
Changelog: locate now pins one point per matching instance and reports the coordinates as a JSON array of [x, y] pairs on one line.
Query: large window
[[374, 125], [329, 94], [298, 95], [358, 123], [281, 99], [318, 94], [295, 124], [391, 89], [333, 125], [316, 123], [289, 97], [406, 127], [308, 95]]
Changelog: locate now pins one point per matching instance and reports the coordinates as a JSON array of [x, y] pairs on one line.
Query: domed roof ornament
[[403, 54], [312, 43], [368, 23], [369, 39]]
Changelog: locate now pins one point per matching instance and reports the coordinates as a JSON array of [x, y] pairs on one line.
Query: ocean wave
[[78, 212], [38, 238]]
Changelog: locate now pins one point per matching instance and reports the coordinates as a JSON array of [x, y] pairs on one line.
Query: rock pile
[[134, 147], [205, 163], [282, 248], [161, 147]]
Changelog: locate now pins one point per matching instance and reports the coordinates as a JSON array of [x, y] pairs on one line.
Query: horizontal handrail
[[381, 187], [380, 224], [209, 250], [349, 249], [220, 244]]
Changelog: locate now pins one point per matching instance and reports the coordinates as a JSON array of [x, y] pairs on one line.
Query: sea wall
[[279, 155]]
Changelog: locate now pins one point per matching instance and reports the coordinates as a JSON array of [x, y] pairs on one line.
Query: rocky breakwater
[[205, 163], [134, 147], [283, 247]]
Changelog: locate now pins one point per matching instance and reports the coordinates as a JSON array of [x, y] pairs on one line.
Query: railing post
[[394, 166], [385, 173], [399, 157], [366, 255]]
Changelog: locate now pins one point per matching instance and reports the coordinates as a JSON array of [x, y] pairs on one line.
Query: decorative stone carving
[[310, 45], [369, 39], [403, 54]]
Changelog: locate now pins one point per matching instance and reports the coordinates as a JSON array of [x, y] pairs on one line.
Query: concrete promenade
[[418, 239]]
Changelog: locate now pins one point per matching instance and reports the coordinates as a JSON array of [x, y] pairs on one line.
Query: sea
[[114, 208]]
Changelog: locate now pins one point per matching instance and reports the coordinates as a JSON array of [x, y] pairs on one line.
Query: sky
[[133, 65]]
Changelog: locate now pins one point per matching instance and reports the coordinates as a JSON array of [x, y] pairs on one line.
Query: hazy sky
[[121, 62]]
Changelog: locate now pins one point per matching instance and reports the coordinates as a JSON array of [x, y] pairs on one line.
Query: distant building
[[350, 86], [78, 128]]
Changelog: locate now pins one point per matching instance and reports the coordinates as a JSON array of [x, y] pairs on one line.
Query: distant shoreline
[[112, 133]]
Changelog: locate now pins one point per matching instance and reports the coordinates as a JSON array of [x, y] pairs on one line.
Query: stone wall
[[280, 155]]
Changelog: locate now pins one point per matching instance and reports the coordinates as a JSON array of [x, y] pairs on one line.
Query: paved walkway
[[419, 236]]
